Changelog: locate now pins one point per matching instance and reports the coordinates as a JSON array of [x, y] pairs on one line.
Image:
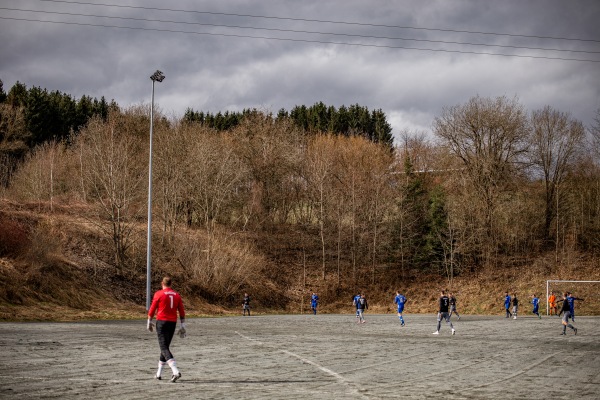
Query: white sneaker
[[453, 331], [436, 333], [175, 377], [515, 317]]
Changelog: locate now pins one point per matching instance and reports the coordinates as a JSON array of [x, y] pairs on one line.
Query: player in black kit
[[443, 313], [566, 311], [453, 304], [246, 304]]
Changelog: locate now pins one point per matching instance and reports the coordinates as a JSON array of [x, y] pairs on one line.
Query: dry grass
[[56, 266]]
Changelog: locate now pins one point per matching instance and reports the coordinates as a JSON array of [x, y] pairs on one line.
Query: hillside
[[56, 265]]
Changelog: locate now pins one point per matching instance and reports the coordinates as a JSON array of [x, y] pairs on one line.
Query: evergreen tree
[[101, 108], [38, 115], [338, 123], [355, 120], [437, 227], [415, 202], [382, 130], [410, 222], [299, 115], [318, 117], [17, 95], [282, 114], [2, 93], [83, 111]]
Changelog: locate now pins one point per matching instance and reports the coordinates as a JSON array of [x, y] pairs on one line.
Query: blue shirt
[[535, 301], [571, 300], [314, 299], [400, 300], [507, 301], [355, 300]]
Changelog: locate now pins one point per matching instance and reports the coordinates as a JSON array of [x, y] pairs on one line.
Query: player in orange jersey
[[552, 304]]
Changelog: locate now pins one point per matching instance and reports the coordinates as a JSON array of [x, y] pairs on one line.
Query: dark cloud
[[218, 68]]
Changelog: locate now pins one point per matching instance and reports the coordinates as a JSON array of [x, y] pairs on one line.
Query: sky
[[411, 59]]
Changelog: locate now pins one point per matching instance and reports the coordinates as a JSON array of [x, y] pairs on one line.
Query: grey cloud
[[212, 72]]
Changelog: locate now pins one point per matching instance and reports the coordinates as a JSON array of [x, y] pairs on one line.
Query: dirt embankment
[[56, 266]]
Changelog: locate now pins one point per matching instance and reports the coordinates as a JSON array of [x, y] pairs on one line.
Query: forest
[[315, 197]]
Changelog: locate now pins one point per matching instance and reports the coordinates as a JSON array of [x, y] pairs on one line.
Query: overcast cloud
[[231, 62]]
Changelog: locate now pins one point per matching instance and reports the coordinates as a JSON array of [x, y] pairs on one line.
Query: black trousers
[[165, 331]]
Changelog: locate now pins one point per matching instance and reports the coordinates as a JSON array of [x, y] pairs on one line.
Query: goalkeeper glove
[[181, 332], [150, 325]]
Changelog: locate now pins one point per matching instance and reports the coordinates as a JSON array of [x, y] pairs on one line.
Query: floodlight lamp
[[157, 76]]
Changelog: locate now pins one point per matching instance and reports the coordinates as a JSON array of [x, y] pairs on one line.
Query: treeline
[[498, 186], [355, 120], [33, 116], [499, 183]]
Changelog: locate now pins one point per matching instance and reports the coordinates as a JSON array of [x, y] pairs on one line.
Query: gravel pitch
[[306, 356]]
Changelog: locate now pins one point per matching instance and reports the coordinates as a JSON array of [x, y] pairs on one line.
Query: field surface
[[306, 356]]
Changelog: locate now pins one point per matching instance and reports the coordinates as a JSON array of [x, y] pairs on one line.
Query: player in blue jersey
[[571, 299], [361, 306], [507, 301], [355, 303], [314, 302], [536, 303], [400, 301]]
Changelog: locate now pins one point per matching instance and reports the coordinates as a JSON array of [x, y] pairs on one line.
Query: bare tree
[[353, 160], [173, 167], [340, 200], [489, 136], [14, 135], [595, 135], [114, 171], [271, 150], [554, 142], [584, 183], [37, 177], [320, 168], [214, 181], [363, 186]]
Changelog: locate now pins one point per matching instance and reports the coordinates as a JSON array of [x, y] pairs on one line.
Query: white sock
[[161, 365], [173, 364]]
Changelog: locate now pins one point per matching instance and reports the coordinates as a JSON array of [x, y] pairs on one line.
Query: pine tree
[[436, 236], [2, 93]]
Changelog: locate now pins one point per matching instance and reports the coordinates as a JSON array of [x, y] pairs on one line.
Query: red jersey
[[167, 302]]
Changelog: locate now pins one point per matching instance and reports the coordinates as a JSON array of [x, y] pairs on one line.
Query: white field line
[[326, 370], [518, 372], [12, 378], [429, 376]]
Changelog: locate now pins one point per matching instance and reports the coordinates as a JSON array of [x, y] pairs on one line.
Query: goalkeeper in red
[[168, 303]]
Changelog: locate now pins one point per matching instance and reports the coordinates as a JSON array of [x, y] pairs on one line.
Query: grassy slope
[[58, 276]]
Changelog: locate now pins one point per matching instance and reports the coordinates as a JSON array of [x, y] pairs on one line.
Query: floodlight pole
[[157, 76]]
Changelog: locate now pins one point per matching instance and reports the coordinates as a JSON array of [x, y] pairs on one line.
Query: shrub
[[14, 238]]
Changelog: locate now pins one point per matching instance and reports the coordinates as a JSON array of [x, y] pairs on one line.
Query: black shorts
[[165, 331]]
